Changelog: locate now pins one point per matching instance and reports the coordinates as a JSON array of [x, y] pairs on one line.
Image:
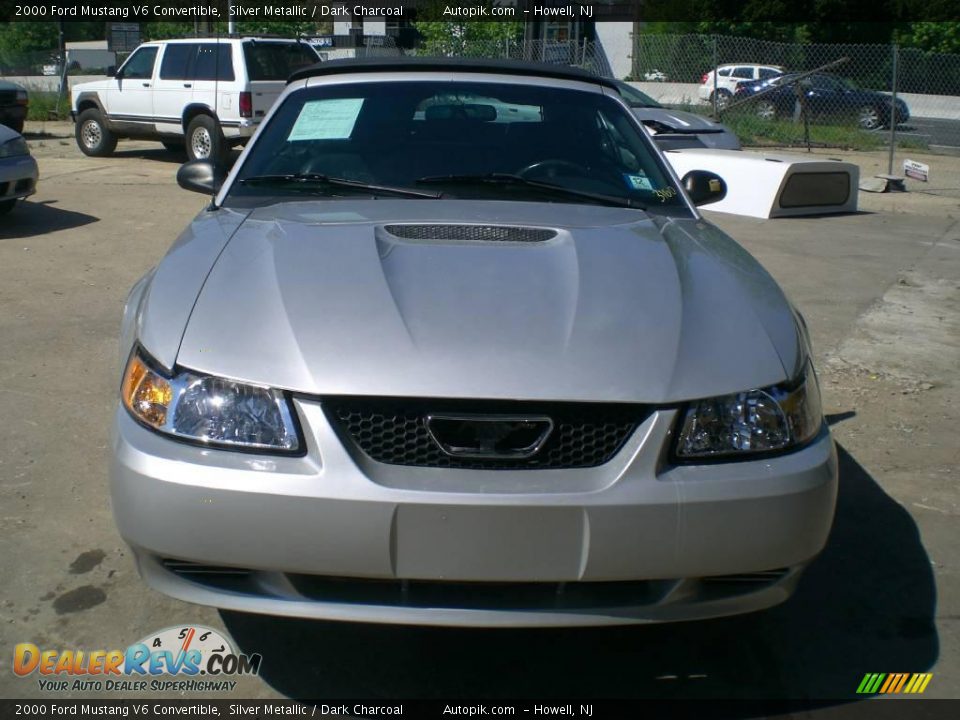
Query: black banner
[[309, 11], [876, 709]]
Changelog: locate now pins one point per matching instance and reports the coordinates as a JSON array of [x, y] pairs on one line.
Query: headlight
[[209, 410], [21, 97], [12, 148], [754, 421]]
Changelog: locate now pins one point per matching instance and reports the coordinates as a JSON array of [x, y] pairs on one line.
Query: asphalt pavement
[[934, 132], [880, 290]]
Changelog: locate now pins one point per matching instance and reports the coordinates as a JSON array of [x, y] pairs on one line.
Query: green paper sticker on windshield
[[637, 182], [326, 120]]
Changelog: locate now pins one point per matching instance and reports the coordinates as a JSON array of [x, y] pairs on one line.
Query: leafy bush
[[42, 104]]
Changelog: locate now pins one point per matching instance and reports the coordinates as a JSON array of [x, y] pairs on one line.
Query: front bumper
[[18, 177], [330, 536]]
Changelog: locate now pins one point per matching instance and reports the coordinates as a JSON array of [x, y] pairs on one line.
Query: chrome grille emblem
[[489, 436]]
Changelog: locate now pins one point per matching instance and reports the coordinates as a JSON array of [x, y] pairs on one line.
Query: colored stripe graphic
[[903, 680], [870, 683], [894, 683], [918, 683], [891, 680]]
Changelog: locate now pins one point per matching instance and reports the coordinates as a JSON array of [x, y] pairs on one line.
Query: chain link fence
[[796, 95], [586, 54], [849, 96], [41, 70], [49, 63]]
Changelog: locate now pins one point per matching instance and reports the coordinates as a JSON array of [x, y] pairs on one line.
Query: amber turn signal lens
[[145, 393]]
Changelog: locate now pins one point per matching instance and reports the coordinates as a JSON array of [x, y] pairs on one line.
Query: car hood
[[321, 298], [676, 119], [92, 86], [7, 134]]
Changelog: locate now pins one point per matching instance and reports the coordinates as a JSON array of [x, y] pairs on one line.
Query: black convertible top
[[442, 64]]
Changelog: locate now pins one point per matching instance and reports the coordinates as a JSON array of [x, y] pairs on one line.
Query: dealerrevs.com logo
[[191, 658]]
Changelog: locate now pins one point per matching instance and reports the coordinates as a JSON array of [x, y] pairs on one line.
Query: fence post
[[893, 110], [716, 115]]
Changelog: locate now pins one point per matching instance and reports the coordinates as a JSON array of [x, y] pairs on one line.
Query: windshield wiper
[[520, 181], [320, 179]]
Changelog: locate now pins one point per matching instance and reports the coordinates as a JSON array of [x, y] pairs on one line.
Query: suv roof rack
[[441, 64]]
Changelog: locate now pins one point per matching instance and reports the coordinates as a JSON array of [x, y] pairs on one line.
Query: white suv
[[207, 94], [729, 75]]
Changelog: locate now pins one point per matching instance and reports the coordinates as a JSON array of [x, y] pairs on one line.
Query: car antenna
[[216, 108]]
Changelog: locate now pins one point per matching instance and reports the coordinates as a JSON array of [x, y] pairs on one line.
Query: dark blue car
[[826, 97]]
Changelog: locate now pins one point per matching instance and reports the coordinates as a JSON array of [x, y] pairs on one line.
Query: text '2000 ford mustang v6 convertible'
[[452, 345]]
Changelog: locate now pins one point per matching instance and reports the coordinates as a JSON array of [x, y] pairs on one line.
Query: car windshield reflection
[[391, 135]]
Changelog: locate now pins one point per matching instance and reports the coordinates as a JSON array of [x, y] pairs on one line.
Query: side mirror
[[704, 187], [200, 176]]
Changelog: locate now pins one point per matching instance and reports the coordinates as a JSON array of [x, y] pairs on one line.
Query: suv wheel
[[93, 137], [205, 140]]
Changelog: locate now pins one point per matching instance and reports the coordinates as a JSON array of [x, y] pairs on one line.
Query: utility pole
[[231, 23], [893, 110], [62, 90]]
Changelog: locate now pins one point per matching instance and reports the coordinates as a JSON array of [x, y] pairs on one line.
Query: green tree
[[277, 27], [467, 37], [939, 37], [85, 31], [24, 46], [28, 37], [166, 30]]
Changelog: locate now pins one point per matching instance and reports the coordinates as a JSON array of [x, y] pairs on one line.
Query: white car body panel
[[756, 181]]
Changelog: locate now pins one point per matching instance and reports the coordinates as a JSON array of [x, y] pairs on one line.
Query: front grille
[[470, 233], [472, 595], [479, 595], [8, 97], [394, 431]]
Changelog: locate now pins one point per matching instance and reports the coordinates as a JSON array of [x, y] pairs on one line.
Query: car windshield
[[444, 139], [635, 98]]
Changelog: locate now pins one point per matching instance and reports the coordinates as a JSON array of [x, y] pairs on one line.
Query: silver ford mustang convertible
[[452, 345]]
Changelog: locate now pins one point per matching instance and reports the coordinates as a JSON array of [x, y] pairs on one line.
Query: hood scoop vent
[[471, 233]]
